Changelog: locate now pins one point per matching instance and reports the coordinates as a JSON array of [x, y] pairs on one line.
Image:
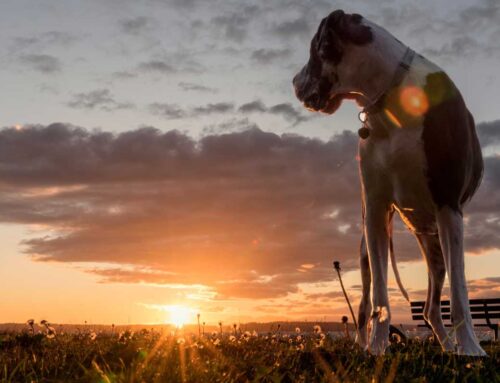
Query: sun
[[180, 315]]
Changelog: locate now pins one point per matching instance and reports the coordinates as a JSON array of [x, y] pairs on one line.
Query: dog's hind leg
[[450, 227], [365, 305], [431, 250]]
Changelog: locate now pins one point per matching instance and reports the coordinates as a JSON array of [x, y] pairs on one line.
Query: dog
[[419, 156]]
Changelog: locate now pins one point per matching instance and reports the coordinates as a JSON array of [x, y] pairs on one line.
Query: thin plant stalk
[[336, 266]]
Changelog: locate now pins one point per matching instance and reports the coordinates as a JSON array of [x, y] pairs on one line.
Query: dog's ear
[[349, 27], [329, 44]]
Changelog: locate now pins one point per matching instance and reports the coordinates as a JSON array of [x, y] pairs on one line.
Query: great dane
[[418, 155]]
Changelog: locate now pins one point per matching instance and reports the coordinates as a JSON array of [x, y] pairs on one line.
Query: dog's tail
[[395, 269]]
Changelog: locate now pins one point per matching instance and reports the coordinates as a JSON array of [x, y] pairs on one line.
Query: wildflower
[[299, 338], [31, 323], [216, 342], [93, 335], [297, 330], [255, 334], [232, 338], [317, 329], [51, 332], [247, 335]]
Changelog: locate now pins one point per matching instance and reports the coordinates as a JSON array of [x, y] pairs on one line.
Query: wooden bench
[[487, 309]]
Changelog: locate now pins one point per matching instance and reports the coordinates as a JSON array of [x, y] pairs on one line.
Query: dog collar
[[400, 73]]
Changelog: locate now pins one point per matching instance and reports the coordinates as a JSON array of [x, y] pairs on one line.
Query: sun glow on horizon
[[180, 315]]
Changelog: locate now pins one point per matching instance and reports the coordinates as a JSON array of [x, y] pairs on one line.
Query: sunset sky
[[153, 154]]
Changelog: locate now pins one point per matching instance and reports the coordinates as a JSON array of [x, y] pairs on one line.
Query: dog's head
[[334, 60]]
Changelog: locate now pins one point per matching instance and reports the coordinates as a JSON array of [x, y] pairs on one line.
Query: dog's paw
[[467, 343], [379, 337]]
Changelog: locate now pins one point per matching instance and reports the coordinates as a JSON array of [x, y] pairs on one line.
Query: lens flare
[[414, 101], [392, 118]]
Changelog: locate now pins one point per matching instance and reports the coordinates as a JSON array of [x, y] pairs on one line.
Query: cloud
[[136, 25], [234, 25], [168, 111], [254, 106], [299, 27], [173, 111], [42, 63], [267, 56], [157, 66], [44, 40], [189, 86], [246, 213], [97, 99], [489, 133], [286, 110]]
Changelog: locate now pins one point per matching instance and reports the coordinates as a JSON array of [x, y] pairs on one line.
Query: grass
[[150, 356]]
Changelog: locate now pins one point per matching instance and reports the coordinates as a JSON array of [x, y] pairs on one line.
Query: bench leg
[[450, 226], [431, 250]]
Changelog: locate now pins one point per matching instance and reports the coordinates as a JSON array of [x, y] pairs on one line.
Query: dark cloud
[[42, 63], [159, 66], [235, 24], [266, 56], [254, 106], [168, 111], [286, 110], [97, 99], [44, 40], [248, 213], [231, 125], [227, 208], [489, 133], [189, 86], [220, 107], [136, 25], [299, 27], [172, 111]]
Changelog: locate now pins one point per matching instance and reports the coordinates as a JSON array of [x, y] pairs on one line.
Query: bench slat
[[448, 316], [472, 302], [491, 309]]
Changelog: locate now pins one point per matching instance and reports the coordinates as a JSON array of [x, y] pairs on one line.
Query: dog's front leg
[[365, 306], [377, 218], [450, 227]]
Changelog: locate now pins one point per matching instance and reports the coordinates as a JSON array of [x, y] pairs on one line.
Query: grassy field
[[153, 356]]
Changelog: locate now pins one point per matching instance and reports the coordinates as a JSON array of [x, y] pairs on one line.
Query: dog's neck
[[383, 59]]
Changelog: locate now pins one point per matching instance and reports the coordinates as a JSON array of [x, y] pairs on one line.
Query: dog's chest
[[395, 167]]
